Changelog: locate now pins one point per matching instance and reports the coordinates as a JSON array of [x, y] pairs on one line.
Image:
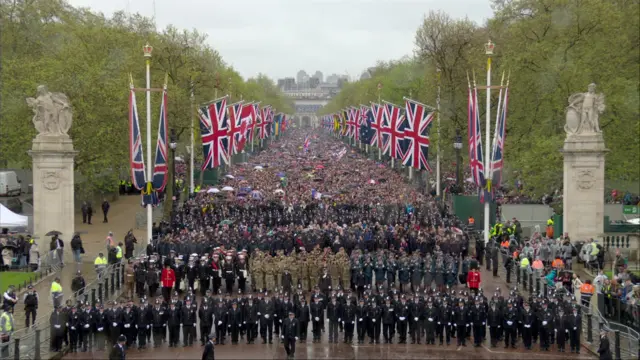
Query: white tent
[[9, 219]]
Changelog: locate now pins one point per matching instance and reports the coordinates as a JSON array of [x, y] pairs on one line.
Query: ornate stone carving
[[52, 111], [585, 179], [583, 112], [51, 179]]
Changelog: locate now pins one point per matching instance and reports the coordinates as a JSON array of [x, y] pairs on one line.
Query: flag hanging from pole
[[418, 119], [136, 157], [214, 124], [497, 153], [476, 160], [160, 168]]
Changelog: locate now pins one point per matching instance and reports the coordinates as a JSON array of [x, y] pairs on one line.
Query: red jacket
[[168, 277], [473, 279]]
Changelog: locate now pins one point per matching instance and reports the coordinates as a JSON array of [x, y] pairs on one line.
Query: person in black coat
[[117, 351], [290, 332], [605, 348], [303, 315], [317, 318], [208, 352]]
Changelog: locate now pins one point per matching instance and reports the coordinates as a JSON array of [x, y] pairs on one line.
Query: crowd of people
[[321, 240]]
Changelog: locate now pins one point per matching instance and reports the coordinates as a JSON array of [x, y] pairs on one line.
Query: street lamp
[[173, 144], [457, 144]]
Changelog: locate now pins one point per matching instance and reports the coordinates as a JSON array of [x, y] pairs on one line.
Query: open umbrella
[[213, 191], [53, 233], [227, 188], [229, 176], [319, 167], [258, 167], [279, 191], [226, 222]]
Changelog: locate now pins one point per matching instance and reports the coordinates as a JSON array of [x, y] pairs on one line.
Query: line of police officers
[[428, 316]]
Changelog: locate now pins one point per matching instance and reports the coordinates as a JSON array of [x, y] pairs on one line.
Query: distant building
[[365, 75], [314, 82], [318, 75], [300, 77], [332, 79]]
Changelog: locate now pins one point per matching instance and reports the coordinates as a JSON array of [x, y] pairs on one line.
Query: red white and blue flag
[[248, 118], [262, 124], [213, 129], [136, 156], [267, 119], [235, 127], [355, 116], [497, 153], [307, 142], [376, 125], [160, 168], [394, 131], [416, 132], [476, 160]]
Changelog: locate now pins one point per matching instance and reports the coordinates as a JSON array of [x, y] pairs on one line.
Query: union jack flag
[[160, 168], [394, 131], [267, 119], [476, 160], [366, 117], [497, 154], [376, 125], [418, 119], [235, 127], [248, 118], [356, 116], [262, 124], [136, 157], [213, 129]]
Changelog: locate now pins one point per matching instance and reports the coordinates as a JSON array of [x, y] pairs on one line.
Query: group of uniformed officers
[[427, 316]]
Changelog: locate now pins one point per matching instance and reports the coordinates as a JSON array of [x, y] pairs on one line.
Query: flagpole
[[147, 54], [438, 132], [192, 154], [380, 125], [487, 209]]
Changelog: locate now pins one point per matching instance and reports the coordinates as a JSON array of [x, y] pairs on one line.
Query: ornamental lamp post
[[457, 144], [488, 50], [173, 144], [147, 50]]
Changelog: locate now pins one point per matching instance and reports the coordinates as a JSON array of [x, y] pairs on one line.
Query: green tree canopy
[[89, 57], [551, 49]]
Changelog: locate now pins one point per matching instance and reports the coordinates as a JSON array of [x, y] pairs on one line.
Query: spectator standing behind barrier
[[586, 292], [56, 292], [604, 350], [34, 256], [77, 285], [30, 306], [100, 263]]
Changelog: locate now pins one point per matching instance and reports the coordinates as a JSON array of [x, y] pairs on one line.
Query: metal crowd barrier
[[34, 343]]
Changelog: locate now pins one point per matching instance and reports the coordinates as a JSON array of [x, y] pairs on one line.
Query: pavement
[[121, 220]]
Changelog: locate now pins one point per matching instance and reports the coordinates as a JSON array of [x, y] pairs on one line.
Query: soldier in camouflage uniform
[[345, 268], [294, 267], [334, 270], [270, 273], [279, 265], [306, 264]]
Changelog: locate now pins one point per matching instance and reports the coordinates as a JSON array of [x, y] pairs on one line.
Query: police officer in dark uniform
[[159, 323], [510, 323], [348, 320], [188, 319], [140, 276], [173, 323], [402, 317], [479, 322], [234, 322], [494, 320], [205, 314], [220, 314], [361, 320], [30, 306]]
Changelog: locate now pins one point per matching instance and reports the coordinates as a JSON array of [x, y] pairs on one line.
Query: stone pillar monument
[[584, 152], [53, 174]]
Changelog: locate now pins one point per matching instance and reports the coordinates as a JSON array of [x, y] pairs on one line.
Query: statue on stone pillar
[[53, 115], [583, 112]]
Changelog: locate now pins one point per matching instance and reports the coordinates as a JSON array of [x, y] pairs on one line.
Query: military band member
[[229, 273]]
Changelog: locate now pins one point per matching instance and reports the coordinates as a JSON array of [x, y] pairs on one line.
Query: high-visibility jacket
[[587, 290], [119, 253], [505, 244], [197, 189], [100, 261], [472, 221], [55, 287], [550, 231], [7, 323], [524, 263], [538, 265], [594, 250], [557, 263], [549, 222]]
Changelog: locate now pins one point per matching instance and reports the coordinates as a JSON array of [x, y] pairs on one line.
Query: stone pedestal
[[53, 186], [583, 193]]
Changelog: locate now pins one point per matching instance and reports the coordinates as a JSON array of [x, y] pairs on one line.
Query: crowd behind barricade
[[339, 243]]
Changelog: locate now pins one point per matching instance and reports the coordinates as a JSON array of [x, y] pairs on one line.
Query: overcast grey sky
[[280, 37]]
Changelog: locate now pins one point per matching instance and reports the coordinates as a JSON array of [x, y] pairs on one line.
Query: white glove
[[56, 326], [280, 321], [115, 324], [484, 323], [244, 322], [555, 330], [100, 328], [527, 326], [360, 319], [316, 318], [575, 328], [544, 323], [266, 316], [467, 325], [327, 319], [219, 322], [86, 326], [229, 325], [329, 287], [281, 336], [297, 338], [455, 325], [509, 323], [415, 319], [136, 325], [374, 320], [259, 314], [448, 324], [147, 326], [73, 328], [126, 326], [275, 315], [430, 319], [339, 320], [499, 326]]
